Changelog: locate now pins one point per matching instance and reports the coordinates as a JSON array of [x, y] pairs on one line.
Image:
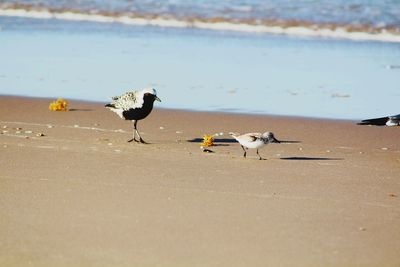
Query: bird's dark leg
[[260, 156], [244, 155], [137, 132], [134, 132]]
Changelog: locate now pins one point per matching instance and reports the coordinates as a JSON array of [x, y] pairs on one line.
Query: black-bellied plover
[[134, 106], [384, 121], [254, 140]]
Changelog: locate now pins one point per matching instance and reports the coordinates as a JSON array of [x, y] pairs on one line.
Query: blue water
[[200, 69]]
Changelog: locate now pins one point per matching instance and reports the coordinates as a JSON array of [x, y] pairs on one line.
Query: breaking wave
[[288, 27]]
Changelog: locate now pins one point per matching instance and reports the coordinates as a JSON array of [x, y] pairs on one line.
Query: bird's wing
[[250, 137], [127, 101], [377, 121]]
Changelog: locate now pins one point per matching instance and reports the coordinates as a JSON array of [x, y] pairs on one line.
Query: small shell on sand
[[206, 150], [40, 134]]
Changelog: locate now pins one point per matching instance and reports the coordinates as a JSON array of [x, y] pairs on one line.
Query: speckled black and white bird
[[254, 140], [134, 106], [384, 121]]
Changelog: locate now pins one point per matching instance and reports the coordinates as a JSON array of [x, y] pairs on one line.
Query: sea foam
[[218, 24]]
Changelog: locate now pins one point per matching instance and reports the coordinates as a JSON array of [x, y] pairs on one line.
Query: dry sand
[[82, 196]]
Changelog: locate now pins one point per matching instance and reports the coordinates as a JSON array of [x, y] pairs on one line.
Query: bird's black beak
[[156, 98]]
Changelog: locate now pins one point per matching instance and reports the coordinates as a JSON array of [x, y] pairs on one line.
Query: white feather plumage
[[130, 100]]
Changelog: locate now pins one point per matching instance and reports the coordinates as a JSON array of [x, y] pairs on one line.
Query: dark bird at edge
[[384, 121]]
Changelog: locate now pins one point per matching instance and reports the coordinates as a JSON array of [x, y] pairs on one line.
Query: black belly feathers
[[142, 112]]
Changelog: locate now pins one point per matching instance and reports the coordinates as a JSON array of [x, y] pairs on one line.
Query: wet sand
[[82, 196]]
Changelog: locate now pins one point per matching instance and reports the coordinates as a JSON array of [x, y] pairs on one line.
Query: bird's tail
[[234, 135], [110, 106], [378, 121]]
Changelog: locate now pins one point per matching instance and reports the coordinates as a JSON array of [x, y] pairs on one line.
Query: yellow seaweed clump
[[59, 105], [208, 140]]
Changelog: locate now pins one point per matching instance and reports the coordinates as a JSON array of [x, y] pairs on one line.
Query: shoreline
[[80, 195], [222, 112], [199, 64]]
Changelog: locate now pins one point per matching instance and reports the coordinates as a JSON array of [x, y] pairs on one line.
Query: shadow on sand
[[310, 158], [289, 142], [231, 140], [223, 141]]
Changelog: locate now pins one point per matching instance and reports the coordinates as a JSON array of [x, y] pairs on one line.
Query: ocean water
[[360, 14], [327, 59], [350, 19]]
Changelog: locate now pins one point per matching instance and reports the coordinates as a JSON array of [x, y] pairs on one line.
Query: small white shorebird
[[254, 140], [134, 106], [384, 121]]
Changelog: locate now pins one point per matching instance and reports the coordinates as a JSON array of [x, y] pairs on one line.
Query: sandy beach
[[82, 196]]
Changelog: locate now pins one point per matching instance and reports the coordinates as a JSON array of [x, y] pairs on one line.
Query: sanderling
[[384, 121], [254, 140], [134, 106]]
